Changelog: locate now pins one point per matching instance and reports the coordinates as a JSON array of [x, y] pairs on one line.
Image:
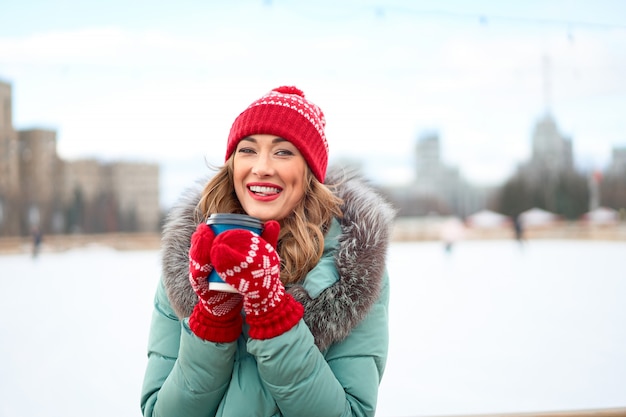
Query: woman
[[306, 333]]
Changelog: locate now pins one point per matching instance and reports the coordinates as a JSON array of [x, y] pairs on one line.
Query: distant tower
[[428, 156], [546, 83], [551, 151]]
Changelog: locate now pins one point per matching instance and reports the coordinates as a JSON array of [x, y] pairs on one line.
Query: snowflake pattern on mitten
[[250, 264], [217, 315]]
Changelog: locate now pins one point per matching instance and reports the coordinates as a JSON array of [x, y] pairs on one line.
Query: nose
[[263, 166]]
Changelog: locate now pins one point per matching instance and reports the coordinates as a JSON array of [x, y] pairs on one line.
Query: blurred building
[[552, 152], [437, 188], [137, 199], [118, 196], [550, 147], [428, 164], [612, 185], [618, 163], [37, 188], [9, 165], [40, 172]]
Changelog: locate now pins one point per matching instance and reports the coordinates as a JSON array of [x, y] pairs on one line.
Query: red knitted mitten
[[217, 315], [250, 263]]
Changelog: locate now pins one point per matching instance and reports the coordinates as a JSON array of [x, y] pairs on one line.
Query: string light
[[384, 11]]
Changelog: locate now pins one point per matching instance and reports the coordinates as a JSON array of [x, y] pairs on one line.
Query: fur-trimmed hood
[[360, 259]]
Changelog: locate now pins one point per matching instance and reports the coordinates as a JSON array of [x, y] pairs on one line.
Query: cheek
[[239, 191], [299, 189], [238, 183]]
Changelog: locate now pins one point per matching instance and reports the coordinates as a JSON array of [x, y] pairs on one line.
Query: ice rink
[[490, 327]]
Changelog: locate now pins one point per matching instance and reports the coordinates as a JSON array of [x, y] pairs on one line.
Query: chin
[[265, 212], [262, 215]]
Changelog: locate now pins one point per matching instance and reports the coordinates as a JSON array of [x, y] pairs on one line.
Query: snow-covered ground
[[490, 327]]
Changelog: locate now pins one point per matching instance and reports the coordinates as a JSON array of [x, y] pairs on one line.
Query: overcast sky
[[149, 81]]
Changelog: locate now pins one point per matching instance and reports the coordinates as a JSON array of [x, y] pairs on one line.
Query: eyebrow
[[275, 140]]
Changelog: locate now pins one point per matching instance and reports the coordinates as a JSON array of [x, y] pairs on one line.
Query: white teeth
[[264, 190]]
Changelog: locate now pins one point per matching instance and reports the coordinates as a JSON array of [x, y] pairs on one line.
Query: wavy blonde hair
[[301, 239]]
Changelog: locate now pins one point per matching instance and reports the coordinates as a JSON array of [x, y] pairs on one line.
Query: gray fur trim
[[360, 259], [179, 226]]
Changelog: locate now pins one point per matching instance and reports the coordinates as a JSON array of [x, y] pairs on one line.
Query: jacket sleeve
[[185, 375], [343, 382]]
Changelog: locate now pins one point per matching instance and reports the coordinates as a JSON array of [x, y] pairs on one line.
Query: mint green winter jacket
[[330, 364]]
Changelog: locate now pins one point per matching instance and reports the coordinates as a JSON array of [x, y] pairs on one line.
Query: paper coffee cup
[[220, 222]]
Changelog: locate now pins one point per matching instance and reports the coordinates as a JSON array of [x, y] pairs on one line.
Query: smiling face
[[269, 176]]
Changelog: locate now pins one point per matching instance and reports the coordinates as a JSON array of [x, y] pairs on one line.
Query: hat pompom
[[286, 89]]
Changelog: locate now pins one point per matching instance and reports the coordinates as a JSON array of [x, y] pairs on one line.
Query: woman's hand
[[250, 264], [217, 316]]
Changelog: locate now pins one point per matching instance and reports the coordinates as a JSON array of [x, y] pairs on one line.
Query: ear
[[271, 229]]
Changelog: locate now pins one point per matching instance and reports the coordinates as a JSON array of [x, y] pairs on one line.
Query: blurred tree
[[613, 191], [76, 213], [514, 197], [572, 195], [566, 194]]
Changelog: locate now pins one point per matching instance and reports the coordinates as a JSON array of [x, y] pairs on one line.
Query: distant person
[[452, 230], [518, 227], [37, 237], [306, 330]]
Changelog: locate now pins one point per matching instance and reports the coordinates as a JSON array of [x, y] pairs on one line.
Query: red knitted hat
[[285, 112]]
